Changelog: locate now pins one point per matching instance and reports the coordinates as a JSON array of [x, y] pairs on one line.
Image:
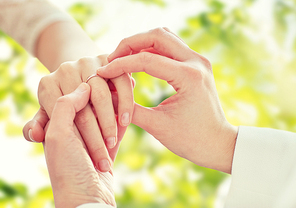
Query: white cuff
[[261, 165]]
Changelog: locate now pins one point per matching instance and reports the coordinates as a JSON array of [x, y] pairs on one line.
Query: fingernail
[[125, 119], [81, 88], [104, 165], [110, 142], [31, 136]]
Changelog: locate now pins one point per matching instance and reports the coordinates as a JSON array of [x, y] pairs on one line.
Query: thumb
[[147, 118], [67, 106]]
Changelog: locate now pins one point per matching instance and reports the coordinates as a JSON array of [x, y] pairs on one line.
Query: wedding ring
[[91, 76]]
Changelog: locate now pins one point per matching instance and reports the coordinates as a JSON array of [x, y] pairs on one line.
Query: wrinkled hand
[[73, 177], [190, 123], [96, 132]]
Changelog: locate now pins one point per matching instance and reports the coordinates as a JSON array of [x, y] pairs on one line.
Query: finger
[[34, 131], [65, 110], [102, 103], [168, 30], [163, 42], [67, 106], [47, 96], [153, 64], [86, 121], [113, 152], [112, 87], [120, 130], [89, 128], [103, 59], [124, 87]]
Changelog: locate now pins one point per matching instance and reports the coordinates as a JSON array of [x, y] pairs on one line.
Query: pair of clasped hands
[[83, 123]]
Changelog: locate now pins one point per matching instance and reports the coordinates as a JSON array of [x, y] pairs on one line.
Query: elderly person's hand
[[96, 123], [191, 123], [72, 173]]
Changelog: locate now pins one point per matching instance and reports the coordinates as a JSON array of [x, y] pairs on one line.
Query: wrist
[[55, 47], [227, 146], [218, 150]]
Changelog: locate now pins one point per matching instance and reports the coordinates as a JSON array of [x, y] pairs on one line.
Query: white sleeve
[[24, 20], [94, 205], [263, 167]]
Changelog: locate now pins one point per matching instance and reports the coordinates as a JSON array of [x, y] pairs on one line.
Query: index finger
[[161, 40], [174, 72]]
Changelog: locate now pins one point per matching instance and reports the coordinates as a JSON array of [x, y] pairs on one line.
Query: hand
[[73, 177], [190, 123], [64, 81]]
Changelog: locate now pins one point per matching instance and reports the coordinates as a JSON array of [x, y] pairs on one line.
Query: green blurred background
[[251, 45]]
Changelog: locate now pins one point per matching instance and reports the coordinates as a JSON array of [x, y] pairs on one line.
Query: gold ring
[[91, 76]]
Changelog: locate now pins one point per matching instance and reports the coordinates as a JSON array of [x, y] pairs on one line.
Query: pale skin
[[70, 55], [190, 123], [73, 177]]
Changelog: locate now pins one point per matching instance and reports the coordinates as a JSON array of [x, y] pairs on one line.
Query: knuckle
[[100, 95], [44, 81], [109, 130], [127, 104], [65, 68], [166, 29], [158, 35], [82, 119], [103, 59], [207, 64], [145, 57], [124, 41], [66, 64], [45, 86], [99, 150], [84, 60], [193, 72], [158, 31], [63, 100]]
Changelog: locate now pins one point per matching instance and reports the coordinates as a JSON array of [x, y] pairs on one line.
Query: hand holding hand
[[97, 129], [190, 123], [73, 177]]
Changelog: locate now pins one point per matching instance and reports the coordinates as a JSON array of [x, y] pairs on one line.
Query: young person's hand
[[190, 123], [73, 177], [96, 132]]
